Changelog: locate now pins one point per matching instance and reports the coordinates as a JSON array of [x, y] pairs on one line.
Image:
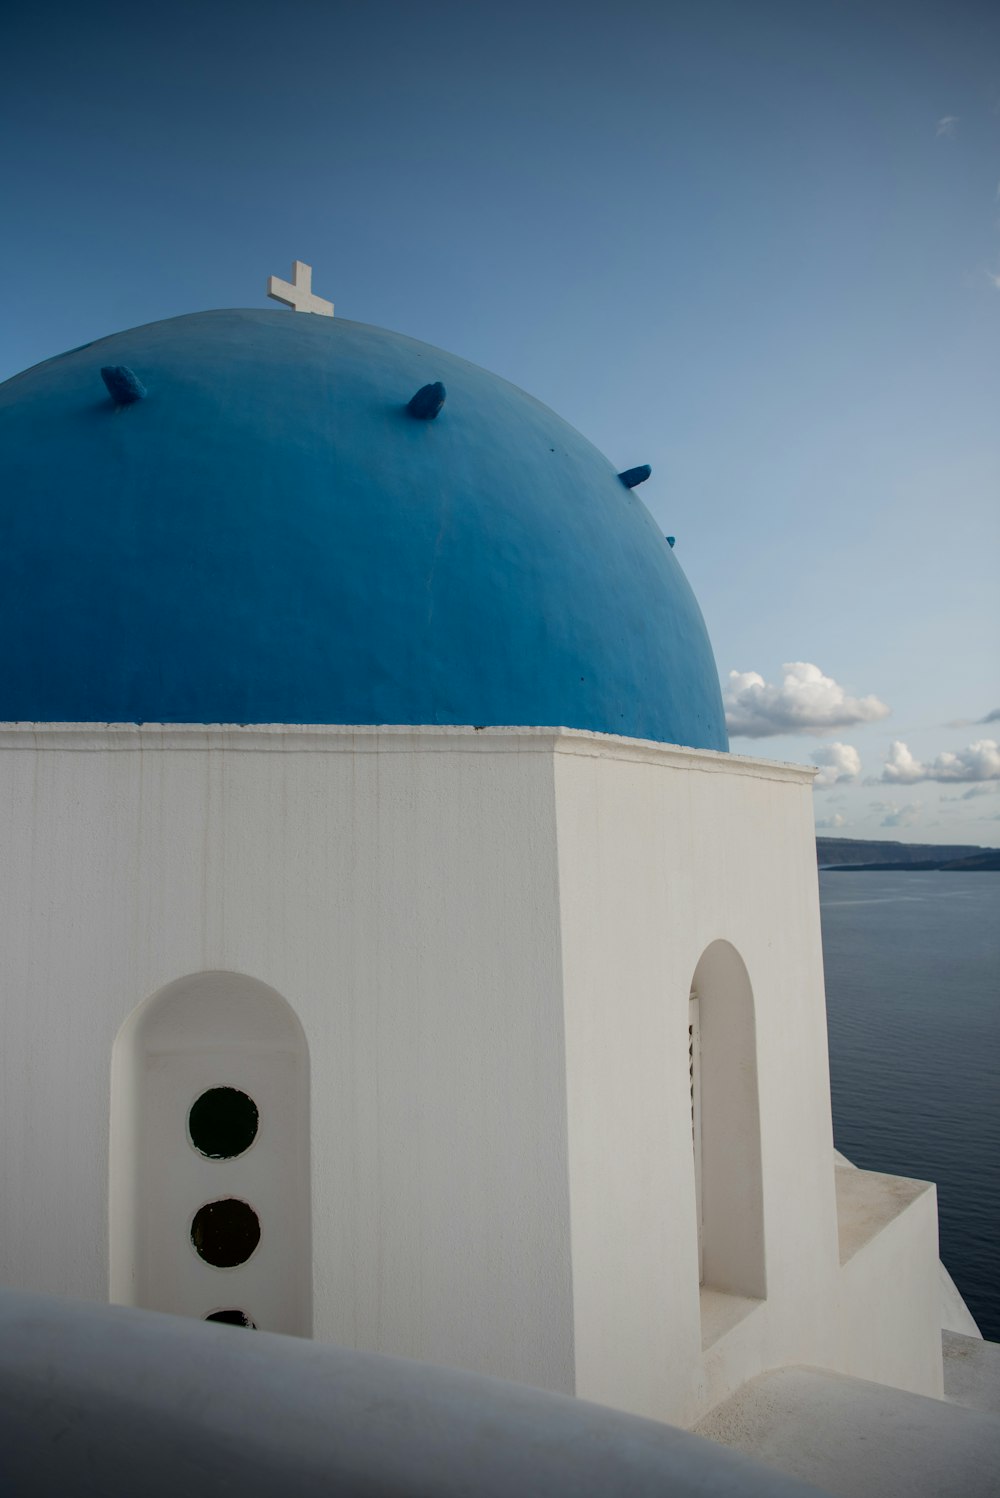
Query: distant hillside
[[867, 853]]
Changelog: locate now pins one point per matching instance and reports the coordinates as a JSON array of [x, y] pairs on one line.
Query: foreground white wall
[[89, 1399], [489, 941]]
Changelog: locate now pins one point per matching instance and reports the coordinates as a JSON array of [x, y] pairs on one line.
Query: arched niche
[[726, 1125], [209, 1207]]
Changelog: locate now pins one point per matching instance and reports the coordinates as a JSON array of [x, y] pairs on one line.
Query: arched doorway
[[725, 1113]]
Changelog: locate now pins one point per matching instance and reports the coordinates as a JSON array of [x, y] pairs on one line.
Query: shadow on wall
[[726, 1124]]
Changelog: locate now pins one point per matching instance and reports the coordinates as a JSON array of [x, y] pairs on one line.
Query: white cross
[[298, 293]]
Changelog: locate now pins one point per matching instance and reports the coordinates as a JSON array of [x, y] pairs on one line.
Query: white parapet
[[98, 1399]]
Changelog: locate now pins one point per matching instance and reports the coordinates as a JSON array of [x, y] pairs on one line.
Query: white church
[[395, 956]]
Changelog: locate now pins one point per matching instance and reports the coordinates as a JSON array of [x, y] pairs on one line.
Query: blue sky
[[755, 245]]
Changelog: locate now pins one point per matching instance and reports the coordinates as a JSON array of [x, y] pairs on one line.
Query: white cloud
[[805, 702], [901, 767], [832, 822], [980, 761], [947, 126], [897, 816], [837, 762]]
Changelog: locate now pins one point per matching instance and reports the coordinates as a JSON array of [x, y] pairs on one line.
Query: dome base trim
[[391, 738]]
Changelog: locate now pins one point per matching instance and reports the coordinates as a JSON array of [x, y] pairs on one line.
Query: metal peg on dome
[[428, 401], [124, 387], [633, 476]]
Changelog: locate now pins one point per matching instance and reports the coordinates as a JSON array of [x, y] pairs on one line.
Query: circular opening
[[223, 1123], [232, 1318], [225, 1233]]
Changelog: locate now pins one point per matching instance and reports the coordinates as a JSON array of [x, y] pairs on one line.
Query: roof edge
[[391, 738]]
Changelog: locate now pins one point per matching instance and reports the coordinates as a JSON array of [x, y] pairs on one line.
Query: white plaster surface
[[659, 858], [867, 1202], [889, 1298], [972, 1372], [857, 1225], [489, 940], [399, 891], [955, 1314], [100, 1400], [856, 1439]]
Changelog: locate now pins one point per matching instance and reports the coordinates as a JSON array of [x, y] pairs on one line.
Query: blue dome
[[271, 537]]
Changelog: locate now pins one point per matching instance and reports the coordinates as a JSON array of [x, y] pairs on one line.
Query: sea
[[913, 1010]]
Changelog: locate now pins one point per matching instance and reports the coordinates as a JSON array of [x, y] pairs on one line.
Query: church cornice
[[282, 738]]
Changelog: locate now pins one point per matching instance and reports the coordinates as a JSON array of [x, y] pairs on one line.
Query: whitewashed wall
[[461, 921], [663, 853]]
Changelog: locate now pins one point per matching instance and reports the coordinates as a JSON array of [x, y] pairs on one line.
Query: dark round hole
[[232, 1318], [226, 1232], [223, 1123]]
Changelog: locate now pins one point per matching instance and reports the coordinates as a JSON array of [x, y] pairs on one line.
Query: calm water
[[913, 1004]]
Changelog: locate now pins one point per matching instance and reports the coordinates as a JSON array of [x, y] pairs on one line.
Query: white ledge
[[720, 1312], [309, 738], [867, 1201]]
